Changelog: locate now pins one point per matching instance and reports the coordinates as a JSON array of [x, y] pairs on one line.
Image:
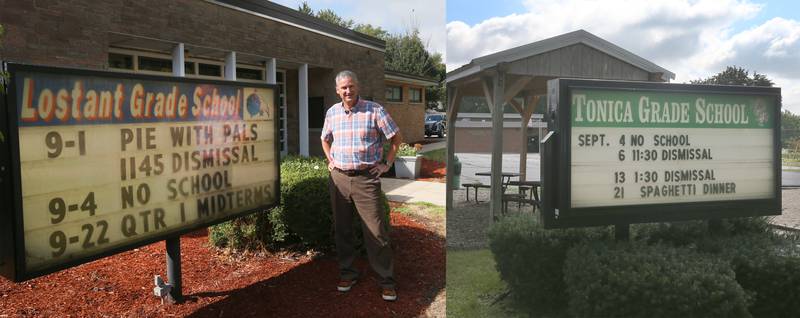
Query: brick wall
[[75, 33], [410, 117], [479, 140]]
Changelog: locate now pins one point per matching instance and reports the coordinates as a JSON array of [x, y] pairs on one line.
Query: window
[[415, 95], [249, 74], [209, 70], [155, 64], [120, 61], [394, 93], [188, 68], [282, 112]]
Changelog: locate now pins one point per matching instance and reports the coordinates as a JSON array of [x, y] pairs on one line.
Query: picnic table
[[521, 198], [477, 185]]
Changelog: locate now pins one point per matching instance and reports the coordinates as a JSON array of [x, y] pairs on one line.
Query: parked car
[[435, 124]]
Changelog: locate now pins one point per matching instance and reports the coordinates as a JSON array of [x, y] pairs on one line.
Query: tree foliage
[[305, 8], [790, 130], [371, 30], [332, 17], [734, 75], [406, 53]]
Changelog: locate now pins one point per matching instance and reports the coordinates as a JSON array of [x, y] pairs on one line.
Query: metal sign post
[[174, 267]]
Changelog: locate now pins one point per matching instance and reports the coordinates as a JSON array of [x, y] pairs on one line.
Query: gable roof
[[556, 42]]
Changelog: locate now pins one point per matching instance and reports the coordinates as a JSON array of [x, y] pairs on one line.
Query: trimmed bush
[[305, 202], [247, 232], [530, 259], [766, 265], [638, 280], [304, 215]]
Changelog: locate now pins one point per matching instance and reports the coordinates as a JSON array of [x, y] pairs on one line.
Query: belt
[[352, 173]]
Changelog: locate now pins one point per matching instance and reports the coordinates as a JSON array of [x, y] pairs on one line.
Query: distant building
[[405, 102]]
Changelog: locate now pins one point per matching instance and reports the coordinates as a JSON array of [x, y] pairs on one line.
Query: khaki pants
[[361, 193]]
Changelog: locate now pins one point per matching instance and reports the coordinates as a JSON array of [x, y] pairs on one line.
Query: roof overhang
[[408, 78], [285, 15]]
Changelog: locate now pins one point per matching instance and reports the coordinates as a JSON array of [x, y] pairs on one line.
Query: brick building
[[405, 101], [242, 40]]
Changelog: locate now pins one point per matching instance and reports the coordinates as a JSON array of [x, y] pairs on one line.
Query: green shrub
[[305, 201], [247, 232], [304, 214], [530, 259], [638, 280], [766, 265], [689, 232]]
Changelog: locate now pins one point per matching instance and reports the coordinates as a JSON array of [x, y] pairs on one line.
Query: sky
[[693, 39], [395, 16]]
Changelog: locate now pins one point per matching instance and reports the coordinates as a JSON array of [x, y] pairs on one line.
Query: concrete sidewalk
[[403, 190]]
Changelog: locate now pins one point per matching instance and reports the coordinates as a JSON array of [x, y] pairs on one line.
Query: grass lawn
[[473, 284], [439, 155], [428, 209]]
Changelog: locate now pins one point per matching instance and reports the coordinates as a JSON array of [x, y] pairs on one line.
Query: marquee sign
[[94, 163], [628, 152]]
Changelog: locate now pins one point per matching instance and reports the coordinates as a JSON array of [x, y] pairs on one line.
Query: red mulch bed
[[216, 285], [432, 171]]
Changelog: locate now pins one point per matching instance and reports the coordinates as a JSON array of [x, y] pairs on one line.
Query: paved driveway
[[472, 163]]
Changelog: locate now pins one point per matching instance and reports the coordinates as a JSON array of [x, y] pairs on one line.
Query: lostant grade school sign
[[631, 152], [95, 163]]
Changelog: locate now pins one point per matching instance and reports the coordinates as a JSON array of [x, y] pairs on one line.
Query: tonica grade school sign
[[99, 162], [627, 152]]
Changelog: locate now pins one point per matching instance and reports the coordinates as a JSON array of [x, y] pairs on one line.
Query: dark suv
[[435, 125]]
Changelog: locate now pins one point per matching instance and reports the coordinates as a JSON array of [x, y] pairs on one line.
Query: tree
[[305, 8], [374, 31], [405, 53], [332, 17], [736, 76], [790, 130]]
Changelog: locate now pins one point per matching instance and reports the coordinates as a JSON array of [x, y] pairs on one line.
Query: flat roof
[[410, 78]]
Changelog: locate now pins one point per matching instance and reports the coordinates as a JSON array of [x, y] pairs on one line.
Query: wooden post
[[497, 141], [453, 101]]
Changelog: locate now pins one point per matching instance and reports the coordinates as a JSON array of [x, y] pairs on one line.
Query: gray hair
[[346, 74]]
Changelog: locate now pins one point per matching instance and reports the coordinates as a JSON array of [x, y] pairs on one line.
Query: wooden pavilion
[[518, 77]]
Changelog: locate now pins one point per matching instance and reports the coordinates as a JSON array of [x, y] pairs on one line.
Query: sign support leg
[[174, 267], [622, 232]]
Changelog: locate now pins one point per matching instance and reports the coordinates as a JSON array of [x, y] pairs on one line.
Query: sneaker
[[389, 294], [345, 285]]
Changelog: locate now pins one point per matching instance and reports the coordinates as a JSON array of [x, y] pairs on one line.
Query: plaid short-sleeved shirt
[[355, 134]]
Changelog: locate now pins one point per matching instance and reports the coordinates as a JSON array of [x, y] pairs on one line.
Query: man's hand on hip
[[330, 166], [379, 169]]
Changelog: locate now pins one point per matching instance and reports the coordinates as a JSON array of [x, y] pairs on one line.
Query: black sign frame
[[556, 164], [12, 240]]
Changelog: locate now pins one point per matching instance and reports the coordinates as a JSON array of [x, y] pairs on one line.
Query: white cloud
[[693, 39]]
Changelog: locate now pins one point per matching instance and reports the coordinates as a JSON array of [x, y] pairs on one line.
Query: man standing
[[351, 139]]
